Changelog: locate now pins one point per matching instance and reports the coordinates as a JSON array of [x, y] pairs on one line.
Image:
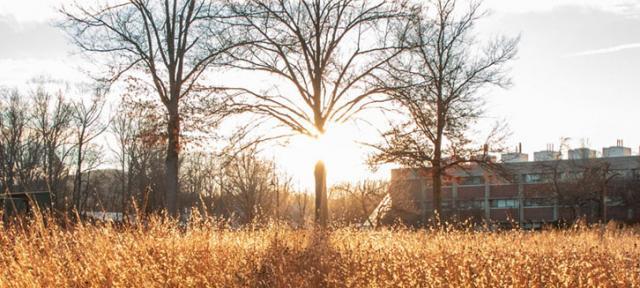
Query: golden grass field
[[204, 255]]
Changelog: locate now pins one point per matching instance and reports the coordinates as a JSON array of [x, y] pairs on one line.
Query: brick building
[[530, 193]]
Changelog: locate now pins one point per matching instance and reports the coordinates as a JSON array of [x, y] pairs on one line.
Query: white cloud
[[606, 50], [32, 10], [30, 39], [626, 7]]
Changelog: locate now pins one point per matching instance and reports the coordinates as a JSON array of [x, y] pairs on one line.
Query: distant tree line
[[55, 140], [47, 139]]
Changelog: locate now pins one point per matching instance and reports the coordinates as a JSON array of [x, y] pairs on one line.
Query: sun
[[325, 146], [328, 147], [337, 148]]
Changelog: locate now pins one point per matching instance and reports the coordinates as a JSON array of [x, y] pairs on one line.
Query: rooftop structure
[[616, 151], [513, 157], [582, 153], [547, 155]]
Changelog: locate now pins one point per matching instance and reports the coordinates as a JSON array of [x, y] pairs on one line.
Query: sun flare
[[337, 148], [324, 146]]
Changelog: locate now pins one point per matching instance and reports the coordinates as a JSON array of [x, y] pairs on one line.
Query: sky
[[576, 74]]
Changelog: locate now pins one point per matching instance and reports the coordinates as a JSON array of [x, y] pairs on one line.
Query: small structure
[[582, 153], [547, 155], [17, 203], [616, 151], [104, 216], [515, 157]]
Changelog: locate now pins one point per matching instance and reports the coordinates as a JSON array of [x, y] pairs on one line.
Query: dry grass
[[164, 255]]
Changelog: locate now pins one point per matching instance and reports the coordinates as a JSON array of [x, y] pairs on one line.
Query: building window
[[538, 202], [532, 178], [504, 203], [572, 175], [471, 204], [615, 201], [472, 180]]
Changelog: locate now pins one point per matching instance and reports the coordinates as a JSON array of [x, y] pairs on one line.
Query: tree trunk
[[436, 178], [603, 203], [322, 209], [171, 169], [123, 188], [436, 173], [77, 191], [10, 187], [436, 183]]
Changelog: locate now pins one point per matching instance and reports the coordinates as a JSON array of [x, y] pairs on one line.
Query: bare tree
[[327, 51], [13, 123], [437, 84], [51, 121], [201, 177], [629, 191], [300, 204], [253, 185], [142, 143], [20, 145], [359, 199], [88, 125], [583, 183], [122, 128], [580, 184], [172, 43], [139, 141]]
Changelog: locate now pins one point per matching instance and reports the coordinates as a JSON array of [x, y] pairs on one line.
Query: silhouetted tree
[[51, 120], [356, 201], [327, 51], [300, 206], [170, 44], [253, 186], [436, 83], [13, 129], [580, 184], [88, 125], [122, 127]]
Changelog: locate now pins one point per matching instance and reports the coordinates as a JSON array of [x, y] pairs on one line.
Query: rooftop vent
[[616, 151], [517, 156]]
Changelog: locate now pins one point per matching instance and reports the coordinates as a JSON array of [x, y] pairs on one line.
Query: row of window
[[514, 203], [547, 177], [503, 203]]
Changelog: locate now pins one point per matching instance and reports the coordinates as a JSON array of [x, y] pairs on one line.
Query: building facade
[[529, 193]]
